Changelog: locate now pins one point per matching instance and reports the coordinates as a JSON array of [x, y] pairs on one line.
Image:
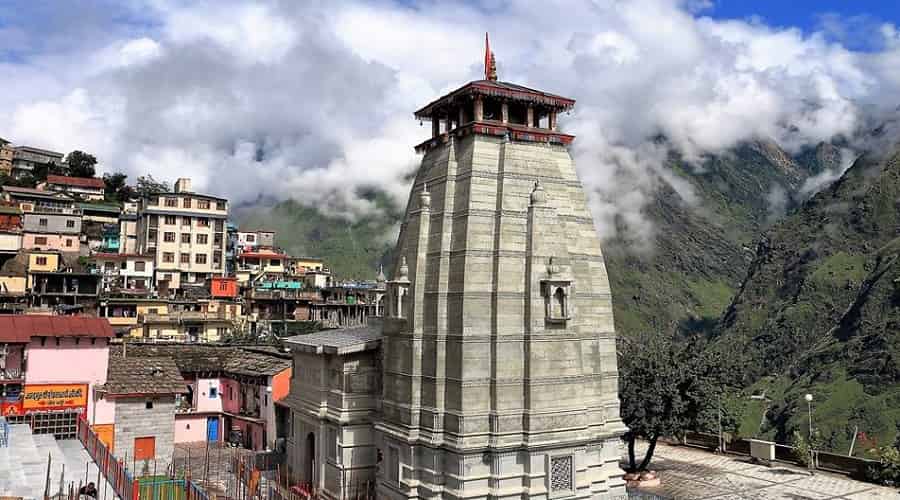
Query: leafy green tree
[[147, 186], [117, 188], [80, 164], [667, 388]]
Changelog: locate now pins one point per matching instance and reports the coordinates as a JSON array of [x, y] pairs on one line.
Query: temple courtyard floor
[[690, 473]]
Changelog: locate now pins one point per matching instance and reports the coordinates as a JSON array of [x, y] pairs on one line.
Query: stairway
[[23, 464]]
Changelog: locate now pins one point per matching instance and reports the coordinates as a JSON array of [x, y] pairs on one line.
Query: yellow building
[[41, 262]]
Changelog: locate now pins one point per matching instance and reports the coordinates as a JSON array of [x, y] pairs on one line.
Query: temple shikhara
[[493, 373]]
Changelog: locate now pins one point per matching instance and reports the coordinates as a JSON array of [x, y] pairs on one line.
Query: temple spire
[[490, 64]]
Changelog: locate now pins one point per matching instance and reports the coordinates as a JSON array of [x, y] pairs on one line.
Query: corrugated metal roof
[[64, 180], [21, 328]]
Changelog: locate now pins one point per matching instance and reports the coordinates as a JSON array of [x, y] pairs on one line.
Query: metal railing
[[4, 433]]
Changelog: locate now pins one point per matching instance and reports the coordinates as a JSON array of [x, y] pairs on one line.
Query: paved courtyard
[[689, 473]]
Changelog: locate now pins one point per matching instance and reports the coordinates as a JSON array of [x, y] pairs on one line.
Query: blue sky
[[858, 16]]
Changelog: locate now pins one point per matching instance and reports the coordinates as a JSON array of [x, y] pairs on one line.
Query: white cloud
[[314, 101]]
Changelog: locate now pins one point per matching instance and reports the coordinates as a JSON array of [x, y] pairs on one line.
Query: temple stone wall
[[491, 386]]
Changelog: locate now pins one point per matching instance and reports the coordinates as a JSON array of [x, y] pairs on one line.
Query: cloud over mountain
[[313, 100]]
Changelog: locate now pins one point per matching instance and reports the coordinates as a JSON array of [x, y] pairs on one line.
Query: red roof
[[20, 328], [86, 182], [256, 255]]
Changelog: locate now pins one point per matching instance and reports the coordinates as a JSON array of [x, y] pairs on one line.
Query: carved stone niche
[[556, 289]]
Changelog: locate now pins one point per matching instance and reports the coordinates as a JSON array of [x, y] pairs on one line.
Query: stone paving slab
[[689, 473]]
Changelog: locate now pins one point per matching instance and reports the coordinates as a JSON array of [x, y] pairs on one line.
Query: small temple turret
[[494, 107]]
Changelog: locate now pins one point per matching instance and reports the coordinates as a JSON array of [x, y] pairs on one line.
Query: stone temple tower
[[499, 355]]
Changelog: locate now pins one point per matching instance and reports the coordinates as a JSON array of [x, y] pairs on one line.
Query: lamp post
[[812, 465]]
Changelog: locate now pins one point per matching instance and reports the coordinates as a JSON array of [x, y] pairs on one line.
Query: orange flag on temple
[[487, 57]]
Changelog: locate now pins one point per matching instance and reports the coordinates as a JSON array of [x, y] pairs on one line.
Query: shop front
[[49, 408]]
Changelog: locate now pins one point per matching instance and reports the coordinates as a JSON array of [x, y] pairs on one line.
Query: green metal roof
[[100, 207]]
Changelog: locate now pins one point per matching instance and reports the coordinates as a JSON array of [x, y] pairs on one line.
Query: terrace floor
[[690, 473]]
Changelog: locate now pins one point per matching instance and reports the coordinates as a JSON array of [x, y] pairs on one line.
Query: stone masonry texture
[[492, 388], [135, 420]]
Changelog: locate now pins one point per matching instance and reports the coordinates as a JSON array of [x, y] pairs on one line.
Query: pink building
[[52, 365], [46, 241]]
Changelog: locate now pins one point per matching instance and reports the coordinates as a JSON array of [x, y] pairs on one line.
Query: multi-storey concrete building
[[7, 152], [90, 189], [45, 229], [124, 272], [27, 158], [185, 232]]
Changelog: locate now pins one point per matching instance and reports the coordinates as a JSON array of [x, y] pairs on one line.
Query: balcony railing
[[11, 374]]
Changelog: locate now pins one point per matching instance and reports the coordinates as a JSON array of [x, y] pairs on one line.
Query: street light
[[812, 454]]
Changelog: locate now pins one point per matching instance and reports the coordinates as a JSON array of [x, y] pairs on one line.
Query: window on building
[[200, 258], [140, 266], [169, 237], [41, 261], [202, 222], [217, 239], [217, 257], [220, 225], [153, 310], [42, 222], [185, 221], [185, 258], [123, 265], [202, 239], [220, 205], [251, 238], [170, 220], [171, 202], [68, 243], [275, 262], [151, 235], [140, 284], [151, 250], [144, 448], [186, 203], [213, 392], [203, 204], [332, 444], [185, 237], [70, 223], [149, 405], [40, 240], [168, 257], [393, 464]]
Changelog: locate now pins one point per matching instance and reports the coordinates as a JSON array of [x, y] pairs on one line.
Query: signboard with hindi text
[[37, 397]]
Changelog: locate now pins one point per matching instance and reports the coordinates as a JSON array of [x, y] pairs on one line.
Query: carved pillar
[[435, 125], [552, 120], [529, 117], [479, 109], [504, 112]]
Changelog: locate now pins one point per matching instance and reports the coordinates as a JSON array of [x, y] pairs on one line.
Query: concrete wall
[[56, 223], [202, 399], [50, 241], [10, 242], [190, 428], [52, 363], [231, 396], [133, 420]]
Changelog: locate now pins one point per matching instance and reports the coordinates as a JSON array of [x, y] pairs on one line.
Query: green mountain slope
[[352, 248], [702, 251], [819, 310]]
